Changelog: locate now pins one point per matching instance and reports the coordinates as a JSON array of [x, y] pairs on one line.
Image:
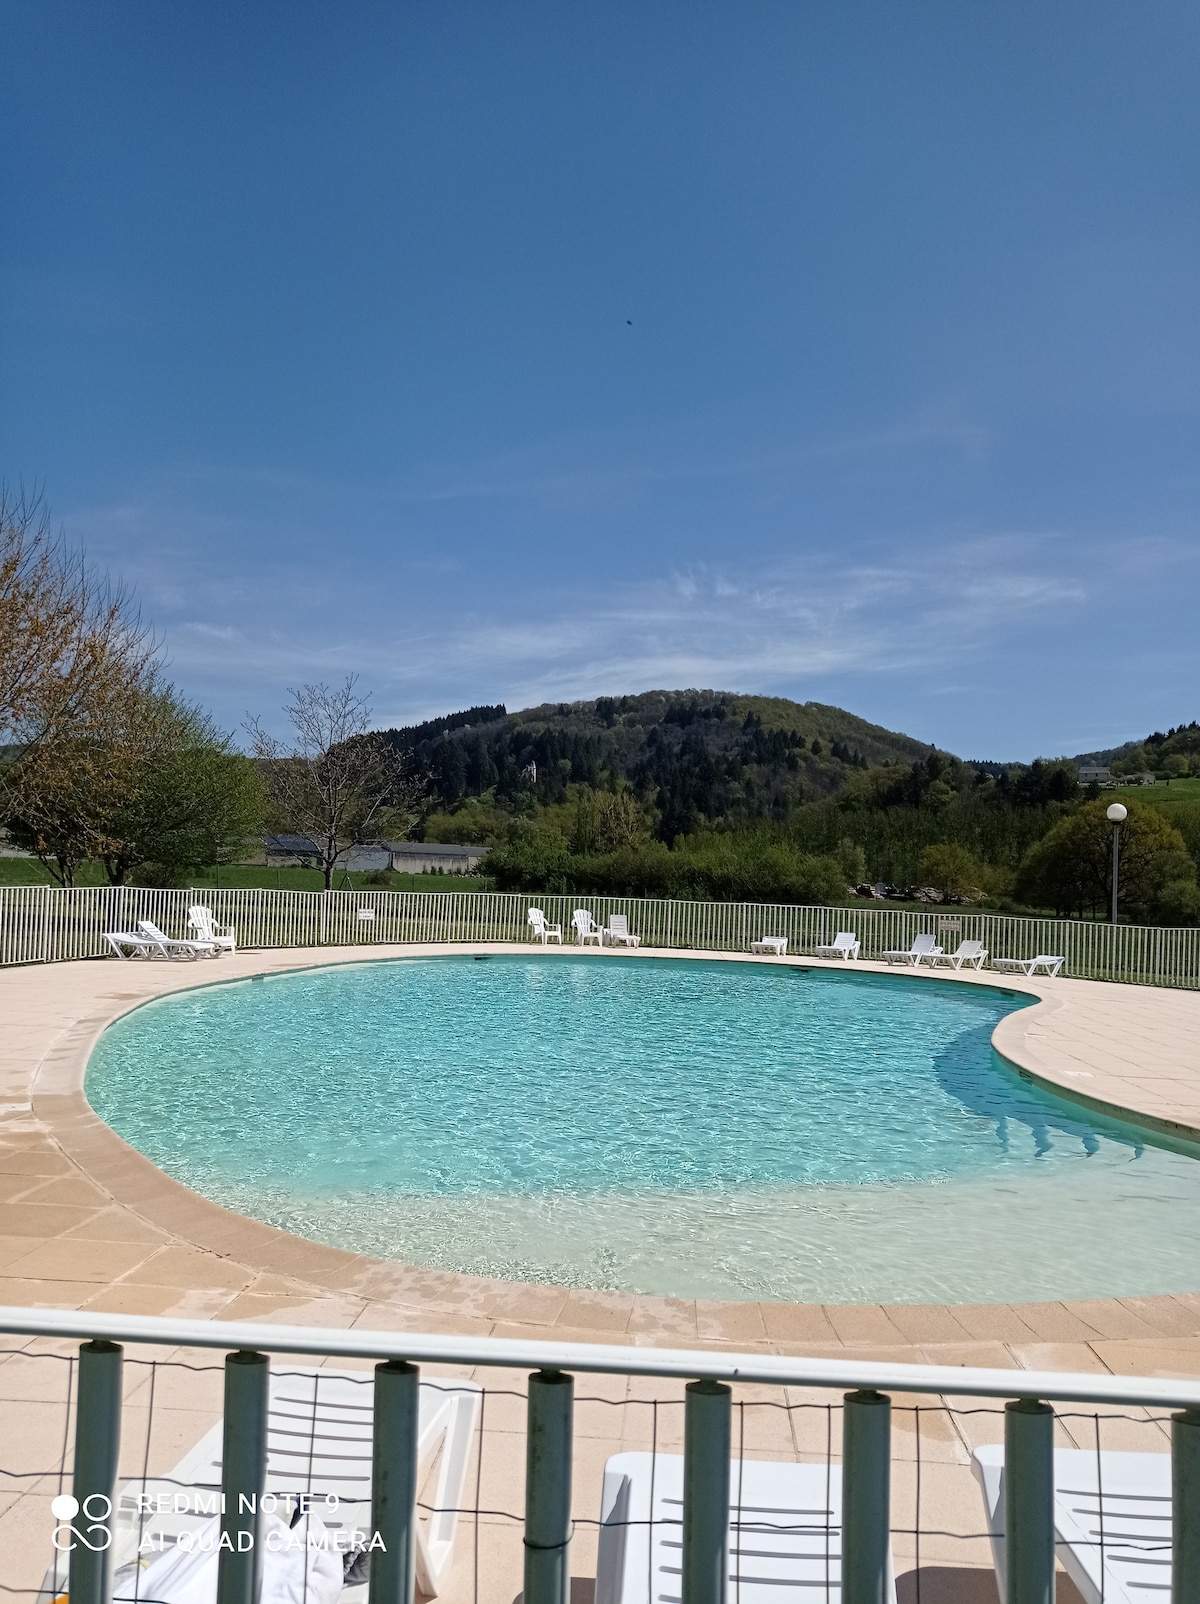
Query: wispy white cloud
[[929, 610]]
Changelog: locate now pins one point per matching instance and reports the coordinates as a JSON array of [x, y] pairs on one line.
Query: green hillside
[[697, 757]]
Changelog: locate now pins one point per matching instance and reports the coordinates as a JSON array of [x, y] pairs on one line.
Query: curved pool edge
[[203, 1257]]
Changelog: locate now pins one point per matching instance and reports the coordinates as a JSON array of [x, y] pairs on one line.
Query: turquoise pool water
[[694, 1128]]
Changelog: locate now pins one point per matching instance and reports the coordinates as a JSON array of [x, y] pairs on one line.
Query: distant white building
[[426, 857], [1092, 774]]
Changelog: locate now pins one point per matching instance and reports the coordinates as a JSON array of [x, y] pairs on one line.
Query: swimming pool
[[687, 1127]]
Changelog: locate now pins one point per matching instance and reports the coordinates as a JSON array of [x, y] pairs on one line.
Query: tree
[[141, 781], [1070, 868], [337, 781], [950, 869], [852, 861], [68, 639]]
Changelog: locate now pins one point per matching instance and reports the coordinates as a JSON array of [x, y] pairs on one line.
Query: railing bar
[[510, 1353]]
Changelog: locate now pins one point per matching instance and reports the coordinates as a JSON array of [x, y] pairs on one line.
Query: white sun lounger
[[135, 944], [922, 947], [318, 1441], [785, 1531], [586, 928], [223, 937], [616, 932], [1126, 1498], [186, 949], [844, 945], [1029, 966], [968, 952], [772, 946], [541, 930]]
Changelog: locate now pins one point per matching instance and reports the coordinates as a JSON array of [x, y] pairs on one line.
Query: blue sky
[[536, 351]]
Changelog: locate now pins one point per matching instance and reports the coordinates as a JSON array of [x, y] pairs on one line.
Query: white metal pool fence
[[45, 924], [540, 1484]]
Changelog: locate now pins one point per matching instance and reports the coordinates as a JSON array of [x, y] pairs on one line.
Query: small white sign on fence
[[366, 913], [949, 924]]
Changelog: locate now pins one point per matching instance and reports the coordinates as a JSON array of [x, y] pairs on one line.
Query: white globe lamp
[[1117, 814]]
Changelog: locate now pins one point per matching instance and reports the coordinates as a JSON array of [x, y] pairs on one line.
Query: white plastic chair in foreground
[[224, 937], [319, 1425], [616, 932], [541, 930], [186, 949], [968, 952], [785, 1531], [1029, 966], [586, 928], [922, 947], [844, 945], [1112, 1520]]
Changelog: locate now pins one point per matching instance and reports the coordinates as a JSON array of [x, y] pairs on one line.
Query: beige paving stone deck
[[87, 1223]]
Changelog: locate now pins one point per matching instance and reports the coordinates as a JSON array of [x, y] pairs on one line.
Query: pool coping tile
[[1123, 1048]]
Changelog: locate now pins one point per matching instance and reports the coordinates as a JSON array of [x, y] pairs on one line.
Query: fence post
[[706, 1439], [97, 1446], [1029, 1501], [243, 1470], [548, 1487], [1185, 1507], [866, 1496], [394, 1481]]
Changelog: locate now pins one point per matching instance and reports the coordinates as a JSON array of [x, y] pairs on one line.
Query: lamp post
[[1117, 814]]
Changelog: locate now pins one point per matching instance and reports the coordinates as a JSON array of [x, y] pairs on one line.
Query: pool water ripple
[[688, 1127]]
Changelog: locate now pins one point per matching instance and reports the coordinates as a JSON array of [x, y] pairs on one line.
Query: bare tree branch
[[336, 782]]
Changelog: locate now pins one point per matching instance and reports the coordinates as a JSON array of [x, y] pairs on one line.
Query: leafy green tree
[[200, 804], [950, 869], [146, 782], [1070, 869], [1136, 761], [852, 861]]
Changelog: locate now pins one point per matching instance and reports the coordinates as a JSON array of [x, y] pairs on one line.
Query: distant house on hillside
[[429, 857], [284, 849], [1093, 774]]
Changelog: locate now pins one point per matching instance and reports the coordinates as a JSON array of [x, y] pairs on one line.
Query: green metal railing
[[866, 1452]]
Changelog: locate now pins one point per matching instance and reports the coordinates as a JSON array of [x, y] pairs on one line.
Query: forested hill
[[706, 757]]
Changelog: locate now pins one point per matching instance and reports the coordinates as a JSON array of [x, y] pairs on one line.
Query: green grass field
[[251, 877], [1187, 790]]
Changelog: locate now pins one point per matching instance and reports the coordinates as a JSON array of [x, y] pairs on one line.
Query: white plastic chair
[[224, 937], [785, 1531], [922, 947], [586, 928], [1029, 966], [844, 945], [541, 930], [1112, 1520], [968, 952], [617, 932], [319, 1430]]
